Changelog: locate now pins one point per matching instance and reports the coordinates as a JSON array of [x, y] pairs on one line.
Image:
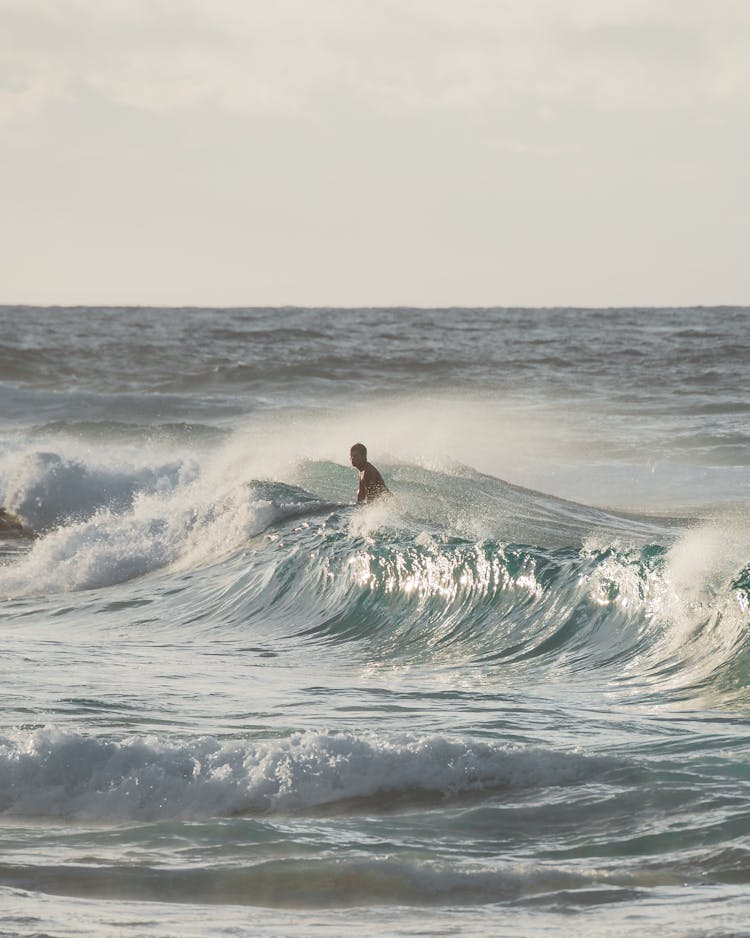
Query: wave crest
[[49, 773]]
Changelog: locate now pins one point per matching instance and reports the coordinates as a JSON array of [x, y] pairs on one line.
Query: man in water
[[371, 485]]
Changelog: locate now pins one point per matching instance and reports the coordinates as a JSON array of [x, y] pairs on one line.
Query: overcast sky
[[369, 152]]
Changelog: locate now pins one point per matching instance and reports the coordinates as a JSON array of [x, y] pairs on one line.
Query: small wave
[[54, 774], [119, 431], [336, 883]]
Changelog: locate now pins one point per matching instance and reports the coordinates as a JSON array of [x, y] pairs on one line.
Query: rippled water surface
[[513, 699]]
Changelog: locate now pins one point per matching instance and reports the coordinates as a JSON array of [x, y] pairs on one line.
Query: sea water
[[511, 700]]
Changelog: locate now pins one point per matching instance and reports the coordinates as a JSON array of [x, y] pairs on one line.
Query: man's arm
[[362, 491]]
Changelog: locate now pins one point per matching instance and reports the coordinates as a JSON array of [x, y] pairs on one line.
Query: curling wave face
[[550, 587]]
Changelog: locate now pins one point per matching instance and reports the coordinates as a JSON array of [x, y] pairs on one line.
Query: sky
[[375, 152]]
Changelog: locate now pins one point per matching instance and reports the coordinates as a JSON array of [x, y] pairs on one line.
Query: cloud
[[421, 151], [294, 57]]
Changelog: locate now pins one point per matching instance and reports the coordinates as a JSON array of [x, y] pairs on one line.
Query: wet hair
[[359, 448]]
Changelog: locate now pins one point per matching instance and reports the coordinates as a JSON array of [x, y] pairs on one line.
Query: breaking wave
[[480, 571]]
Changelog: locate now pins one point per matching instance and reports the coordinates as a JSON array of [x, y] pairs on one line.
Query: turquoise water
[[513, 699]]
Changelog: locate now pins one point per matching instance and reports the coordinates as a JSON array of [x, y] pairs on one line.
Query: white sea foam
[[110, 524], [49, 488], [706, 614], [112, 548], [55, 774], [687, 599]]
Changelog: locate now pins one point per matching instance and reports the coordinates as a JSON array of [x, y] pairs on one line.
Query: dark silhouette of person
[[371, 484]]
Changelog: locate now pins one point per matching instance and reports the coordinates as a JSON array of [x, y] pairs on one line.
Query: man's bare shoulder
[[371, 474], [373, 482]]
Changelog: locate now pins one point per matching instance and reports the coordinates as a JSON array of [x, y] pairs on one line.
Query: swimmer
[[371, 484]]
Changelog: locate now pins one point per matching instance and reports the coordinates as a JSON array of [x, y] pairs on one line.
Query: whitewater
[[512, 699]]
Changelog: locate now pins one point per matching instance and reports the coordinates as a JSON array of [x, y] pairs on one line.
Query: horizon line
[[388, 306]]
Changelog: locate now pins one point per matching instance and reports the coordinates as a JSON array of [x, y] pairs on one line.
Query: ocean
[[512, 699]]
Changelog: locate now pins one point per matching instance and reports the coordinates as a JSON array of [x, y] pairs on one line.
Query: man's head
[[358, 455]]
